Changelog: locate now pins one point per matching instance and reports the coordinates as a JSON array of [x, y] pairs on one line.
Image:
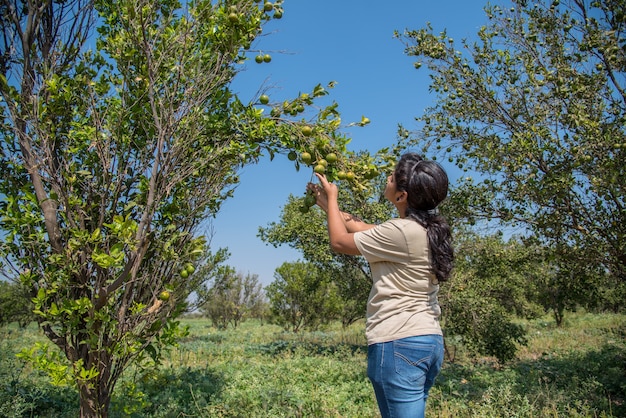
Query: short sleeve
[[383, 243]]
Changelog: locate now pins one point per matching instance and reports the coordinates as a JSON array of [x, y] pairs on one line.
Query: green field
[[258, 370]]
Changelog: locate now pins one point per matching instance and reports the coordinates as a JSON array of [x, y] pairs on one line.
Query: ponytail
[[439, 241], [426, 185]]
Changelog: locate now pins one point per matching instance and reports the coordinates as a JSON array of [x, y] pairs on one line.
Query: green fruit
[[189, 268], [292, 155], [307, 130], [306, 157], [372, 171], [320, 169], [323, 162], [233, 17], [278, 14], [350, 176], [268, 6], [304, 209], [184, 274], [370, 175], [342, 175], [331, 158], [259, 59], [264, 99], [164, 296], [267, 58], [309, 200]]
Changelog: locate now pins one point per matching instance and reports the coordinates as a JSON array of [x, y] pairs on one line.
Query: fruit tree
[[537, 107], [119, 137]]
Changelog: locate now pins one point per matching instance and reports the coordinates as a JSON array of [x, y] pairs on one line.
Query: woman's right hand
[[330, 189], [323, 192]]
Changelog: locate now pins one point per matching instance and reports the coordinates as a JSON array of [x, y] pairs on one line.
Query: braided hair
[[426, 185]]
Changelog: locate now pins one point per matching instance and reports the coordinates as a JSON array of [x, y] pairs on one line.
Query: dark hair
[[426, 185]]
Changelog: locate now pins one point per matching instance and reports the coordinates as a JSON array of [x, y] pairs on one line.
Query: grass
[[258, 370]]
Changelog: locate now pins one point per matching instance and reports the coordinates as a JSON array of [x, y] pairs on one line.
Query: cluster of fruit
[[323, 161], [233, 13], [292, 108], [189, 269], [268, 7], [308, 202], [261, 58], [311, 145]]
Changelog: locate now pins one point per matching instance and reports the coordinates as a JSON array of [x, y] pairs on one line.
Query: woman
[[409, 257]]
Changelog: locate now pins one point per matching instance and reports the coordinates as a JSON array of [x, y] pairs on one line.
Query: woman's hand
[[341, 239], [322, 191], [320, 196], [330, 189]]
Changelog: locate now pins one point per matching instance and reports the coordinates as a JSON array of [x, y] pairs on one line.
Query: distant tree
[[232, 297], [537, 109], [302, 297], [494, 282], [15, 304]]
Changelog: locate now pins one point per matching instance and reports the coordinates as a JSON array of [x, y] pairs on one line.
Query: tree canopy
[[534, 111]]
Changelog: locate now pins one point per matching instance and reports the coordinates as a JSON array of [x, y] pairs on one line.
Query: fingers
[[322, 179]]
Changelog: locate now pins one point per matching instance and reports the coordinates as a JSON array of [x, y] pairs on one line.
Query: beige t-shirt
[[403, 299]]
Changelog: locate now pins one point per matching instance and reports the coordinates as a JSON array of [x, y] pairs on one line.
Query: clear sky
[[350, 42]]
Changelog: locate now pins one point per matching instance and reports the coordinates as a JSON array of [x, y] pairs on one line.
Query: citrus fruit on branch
[[331, 158], [307, 130], [306, 158]]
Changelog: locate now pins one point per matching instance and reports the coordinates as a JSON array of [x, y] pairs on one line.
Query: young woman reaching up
[[409, 256]]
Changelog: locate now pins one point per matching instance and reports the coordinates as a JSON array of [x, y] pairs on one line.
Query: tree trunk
[[95, 392], [95, 398]]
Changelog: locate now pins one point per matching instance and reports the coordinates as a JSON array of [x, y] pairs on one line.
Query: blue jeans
[[402, 372]]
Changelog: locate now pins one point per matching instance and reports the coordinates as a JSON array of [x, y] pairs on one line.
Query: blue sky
[[316, 42]]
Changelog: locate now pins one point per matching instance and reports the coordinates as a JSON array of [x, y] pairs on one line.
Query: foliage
[[15, 305], [302, 297], [307, 233], [511, 271], [537, 108], [231, 298]]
